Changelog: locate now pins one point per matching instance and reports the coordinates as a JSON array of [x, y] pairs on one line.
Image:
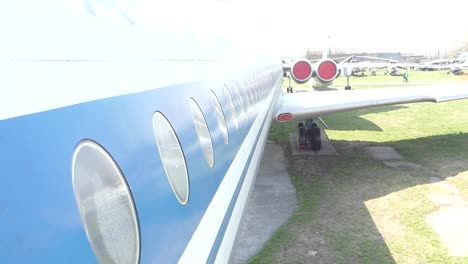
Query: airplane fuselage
[[40, 217]]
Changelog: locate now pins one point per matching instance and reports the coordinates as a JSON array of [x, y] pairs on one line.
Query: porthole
[[231, 107], [220, 116], [248, 91], [245, 91], [251, 90], [255, 93], [105, 204], [241, 102], [172, 157], [202, 131], [252, 94]]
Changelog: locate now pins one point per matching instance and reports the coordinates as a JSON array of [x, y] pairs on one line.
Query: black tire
[[316, 138], [301, 137], [308, 138]]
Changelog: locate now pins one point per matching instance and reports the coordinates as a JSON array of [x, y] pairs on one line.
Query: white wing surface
[[314, 104]]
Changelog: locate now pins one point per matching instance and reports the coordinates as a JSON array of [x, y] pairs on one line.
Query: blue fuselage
[[40, 221]]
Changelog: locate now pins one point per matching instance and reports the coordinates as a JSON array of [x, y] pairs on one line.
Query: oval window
[[202, 131], [241, 102], [220, 116], [231, 107], [105, 204], [172, 157]]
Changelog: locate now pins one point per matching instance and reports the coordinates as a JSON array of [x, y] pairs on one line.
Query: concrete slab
[[383, 153], [402, 165], [271, 203], [327, 146], [451, 224]]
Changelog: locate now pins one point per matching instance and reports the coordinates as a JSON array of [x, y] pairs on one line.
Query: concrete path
[[390, 157], [450, 221], [272, 202]]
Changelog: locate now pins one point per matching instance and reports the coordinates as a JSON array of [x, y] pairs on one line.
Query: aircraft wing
[[297, 106]]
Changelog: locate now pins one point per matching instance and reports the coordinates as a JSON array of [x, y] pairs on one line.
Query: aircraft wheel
[[309, 141], [301, 137], [316, 137]]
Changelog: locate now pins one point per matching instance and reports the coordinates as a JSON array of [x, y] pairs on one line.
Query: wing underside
[[315, 104]]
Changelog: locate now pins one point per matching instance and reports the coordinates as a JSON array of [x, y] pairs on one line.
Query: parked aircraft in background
[[462, 57], [119, 146], [362, 64], [457, 68], [435, 65]]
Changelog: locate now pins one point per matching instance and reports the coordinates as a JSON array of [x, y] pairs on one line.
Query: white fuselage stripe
[[232, 228], [201, 243]]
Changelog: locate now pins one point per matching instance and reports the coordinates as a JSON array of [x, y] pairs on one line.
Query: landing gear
[[309, 136], [289, 89], [316, 137], [347, 87]]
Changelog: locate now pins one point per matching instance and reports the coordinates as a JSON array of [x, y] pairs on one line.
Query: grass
[[353, 209], [381, 80]]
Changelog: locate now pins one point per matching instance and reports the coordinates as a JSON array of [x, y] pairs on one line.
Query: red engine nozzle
[[301, 71], [326, 71]]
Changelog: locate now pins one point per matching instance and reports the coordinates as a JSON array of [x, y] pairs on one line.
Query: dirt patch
[[388, 224], [339, 214], [309, 246], [356, 216]]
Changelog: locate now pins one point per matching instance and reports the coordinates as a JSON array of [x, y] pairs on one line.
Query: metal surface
[[315, 104], [42, 222]]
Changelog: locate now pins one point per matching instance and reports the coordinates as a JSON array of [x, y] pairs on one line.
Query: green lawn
[[381, 80], [353, 209]]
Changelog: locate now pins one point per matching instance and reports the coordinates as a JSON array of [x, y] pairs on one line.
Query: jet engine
[[301, 71], [326, 71]]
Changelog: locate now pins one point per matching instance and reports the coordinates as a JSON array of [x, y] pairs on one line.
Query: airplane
[[462, 57], [119, 147], [373, 63], [457, 67], [435, 65]]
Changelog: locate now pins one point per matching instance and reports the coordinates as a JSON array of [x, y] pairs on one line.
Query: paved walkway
[[272, 202]]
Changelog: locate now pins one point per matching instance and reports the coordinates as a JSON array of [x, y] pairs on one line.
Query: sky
[[83, 29], [293, 26]]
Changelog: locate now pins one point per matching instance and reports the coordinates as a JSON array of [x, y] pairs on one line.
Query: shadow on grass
[[342, 122], [354, 121], [333, 223]]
